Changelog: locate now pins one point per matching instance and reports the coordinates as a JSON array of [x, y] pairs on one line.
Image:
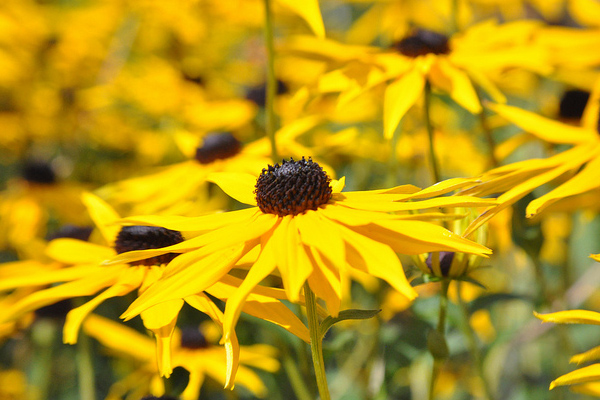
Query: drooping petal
[[203, 303], [292, 262], [325, 282], [73, 251], [240, 186], [544, 128], [310, 12], [456, 83], [127, 282], [586, 180], [161, 320], [400, 95], [103, 215], [47, 277], [377, 259], [590, 355], [571, 317], [321, 234], [199, 275], [586, 374]]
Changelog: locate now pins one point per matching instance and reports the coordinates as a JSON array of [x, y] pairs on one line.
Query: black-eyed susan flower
[[78, 265], [518, 179], [193, 349], [452, 65], [305, 230], [586, 379], [187, 181]]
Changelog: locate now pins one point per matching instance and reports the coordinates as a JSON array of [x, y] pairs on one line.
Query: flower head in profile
[[514, 181], [304, 229]]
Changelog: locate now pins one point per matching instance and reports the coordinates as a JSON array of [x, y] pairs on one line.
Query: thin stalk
[[316, 346], [473, 346], [487, 131], [298, 386], [441, 328], [435, 169], [271, 87], [87, 384]]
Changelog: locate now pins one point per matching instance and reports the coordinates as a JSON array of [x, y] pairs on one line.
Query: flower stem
[[316, 346], [441, 330], [87, 386], [487, 131], [473, 346], [435, 169], [271, 86]]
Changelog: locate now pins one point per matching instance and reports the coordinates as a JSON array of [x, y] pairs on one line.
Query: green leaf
[[344, 316]]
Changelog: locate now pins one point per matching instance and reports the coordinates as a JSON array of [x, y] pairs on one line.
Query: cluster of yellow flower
[[158, 155]]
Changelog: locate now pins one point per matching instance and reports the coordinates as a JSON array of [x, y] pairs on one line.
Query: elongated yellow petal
[[119, 337], [323, 235], [325, 282], [590, 355], [378, 260], [82, 287], [103, 216], [571, 317], [240, 186], [47, 277], [400, 95], [586, 374], [443, 187], [192, 224], [163, 318], [310, 12], [203, 303], [544, 128], [198, 276], [192, 390], [455, 82], [128, 281], [73, 251], [586, 180]]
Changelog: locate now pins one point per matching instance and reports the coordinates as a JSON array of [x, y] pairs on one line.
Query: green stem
[[435, 169], [487, 131], [271, 87], [441, 329], [316, 346], [473, 346], [87, 385], [298, 386]]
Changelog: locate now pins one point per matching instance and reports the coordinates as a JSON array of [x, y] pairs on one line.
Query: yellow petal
[[325, 282], [455, 82], [571, 317], [161, 320], [129, 281], [198, 276], [103, 215], [73, 251], [400, 95], [586, 180], [590, 355], [240, 186], [310, 12], [41, 278], [323, 235], [586, 374], [203, 303], [544, 128]]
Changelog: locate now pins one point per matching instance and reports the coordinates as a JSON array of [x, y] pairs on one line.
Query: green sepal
[[344, 316]]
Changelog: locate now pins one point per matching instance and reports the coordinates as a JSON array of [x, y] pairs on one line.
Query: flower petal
[[400, 95], [310, 12], [571, 317], [455, 82], [586, 374], [103, 216], [240, 186], [73, 251], [590, 355], [161, 320]]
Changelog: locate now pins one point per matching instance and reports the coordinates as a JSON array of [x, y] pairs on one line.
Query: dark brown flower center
[[132, 238], [72, 232], [422, 42], [573, 103], [38, 172], [292, 187], [217, 146], [192, 338]]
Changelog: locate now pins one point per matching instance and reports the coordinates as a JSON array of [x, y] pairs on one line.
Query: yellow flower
[[451, 65], [590, 375], [305, 231], [181, 188], [83, 274], [518, 179], [191, 350]]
